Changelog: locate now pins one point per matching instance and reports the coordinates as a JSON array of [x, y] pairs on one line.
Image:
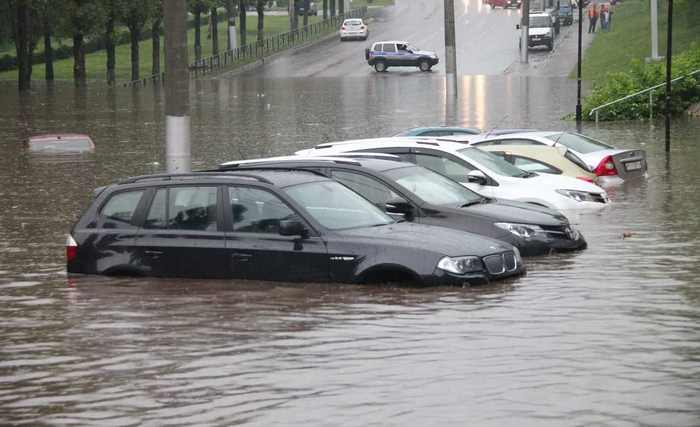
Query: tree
[[325, 9], [306, 12], [134, 14], [341, 7], [242, 20], [25, 40], [156, 28], [214, 22], [197, 7], [47, 11], [110, 18], [260, 7], [231, 17], [332, 7], [82, 18]]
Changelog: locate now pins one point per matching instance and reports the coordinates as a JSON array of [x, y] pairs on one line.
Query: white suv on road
[[482, 172]]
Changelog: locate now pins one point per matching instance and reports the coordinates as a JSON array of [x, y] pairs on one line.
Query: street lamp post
[[668, 75], [524, 33], [177, 89], [450, 49], [578, 68]]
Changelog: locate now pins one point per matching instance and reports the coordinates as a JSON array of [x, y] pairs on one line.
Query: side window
[[446, 167], [120, 209], [257, 211], [192, 208], [157, 214], [532, 165], [369, 188], [389, 47]]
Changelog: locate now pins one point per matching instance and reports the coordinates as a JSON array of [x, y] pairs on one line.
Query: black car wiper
[[527, 174]]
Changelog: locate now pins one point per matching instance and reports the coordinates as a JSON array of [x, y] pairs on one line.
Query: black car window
[[158, 215], [120, 209], [257, 211], [369, 188], [444, 166], [389, 47], [532, 165], [192, 208]]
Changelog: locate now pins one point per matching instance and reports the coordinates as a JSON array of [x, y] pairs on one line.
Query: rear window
[[120, 208], [389, 47], [579, 143], [352, 22]]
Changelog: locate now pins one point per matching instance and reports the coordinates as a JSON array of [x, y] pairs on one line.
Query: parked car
[[61, 143], [420, 195], [270, 225], [541, 31], [609, 164], [566, 12], [482, 172], [439, 131], [556, 160], [353, 29], [504, 3], [383, 55], [301, 9]]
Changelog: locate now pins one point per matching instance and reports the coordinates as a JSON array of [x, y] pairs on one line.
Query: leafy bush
[[641, 76]]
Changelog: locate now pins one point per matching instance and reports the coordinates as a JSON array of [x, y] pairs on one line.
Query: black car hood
[[445, 241], [517, 212]]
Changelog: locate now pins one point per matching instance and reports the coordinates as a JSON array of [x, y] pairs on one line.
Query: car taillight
[[71, 249], [587, 179], [362, 27], [606, 167], [343, 27]]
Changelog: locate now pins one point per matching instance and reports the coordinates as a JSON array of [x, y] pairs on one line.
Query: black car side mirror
[[517, 26], [293, 227], [477, 177], [400, 207]]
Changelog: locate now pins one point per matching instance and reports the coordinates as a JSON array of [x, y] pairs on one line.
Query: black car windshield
[[579, 143], [540, 22], [493, 162], [433, 187], [335, 206]]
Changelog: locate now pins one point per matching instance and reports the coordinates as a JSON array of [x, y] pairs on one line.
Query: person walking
[[604, 17], [592, 17]]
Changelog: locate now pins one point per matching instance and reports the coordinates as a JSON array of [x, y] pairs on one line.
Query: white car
[[354, 29], [610, 164], [482, 172]]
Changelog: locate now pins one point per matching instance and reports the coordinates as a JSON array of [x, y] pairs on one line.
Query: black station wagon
[[271, 225]]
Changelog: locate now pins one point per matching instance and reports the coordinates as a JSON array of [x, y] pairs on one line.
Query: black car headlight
[[521, 230], [461, 264], [579, 196]]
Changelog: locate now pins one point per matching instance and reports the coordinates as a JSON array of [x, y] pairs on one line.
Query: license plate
[[633, 166]]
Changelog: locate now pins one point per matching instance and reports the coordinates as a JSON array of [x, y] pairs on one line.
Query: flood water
[[608, 336]]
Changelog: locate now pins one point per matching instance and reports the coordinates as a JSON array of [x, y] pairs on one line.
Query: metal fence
[[259, 49]]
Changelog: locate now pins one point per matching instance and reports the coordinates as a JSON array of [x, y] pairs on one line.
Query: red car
[[504, 3]]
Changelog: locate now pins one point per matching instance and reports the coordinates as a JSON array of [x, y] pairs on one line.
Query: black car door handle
[[156, 253], [239, 256]]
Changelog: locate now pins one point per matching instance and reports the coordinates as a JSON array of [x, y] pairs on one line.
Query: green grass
[[630, 38], [95, 62], [354, 4]]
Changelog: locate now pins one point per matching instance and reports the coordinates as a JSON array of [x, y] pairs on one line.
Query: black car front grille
[[559, 231], [501, 263]]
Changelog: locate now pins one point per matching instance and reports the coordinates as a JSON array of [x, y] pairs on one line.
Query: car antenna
[[496, 127]]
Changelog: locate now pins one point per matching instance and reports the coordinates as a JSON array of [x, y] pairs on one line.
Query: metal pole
[[177, 120], [524, 34], [668, 75], [654, 7], [578, 67], [450, 48]]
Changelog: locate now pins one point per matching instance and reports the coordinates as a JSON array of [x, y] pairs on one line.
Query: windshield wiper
[[527, 174], [476, 202]]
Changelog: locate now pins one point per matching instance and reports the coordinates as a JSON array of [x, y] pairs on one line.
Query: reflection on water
[[605, 336]]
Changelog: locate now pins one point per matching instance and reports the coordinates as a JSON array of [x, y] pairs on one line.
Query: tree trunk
[[155, 39], [341, 7], [214, 31], [79, 74], [197, 35], [332, 6], [109, 47], [231, 18], [306, 12], [135, 33], [23, 44], [325, 9], [242, 23], [261, 20], [48, 51]]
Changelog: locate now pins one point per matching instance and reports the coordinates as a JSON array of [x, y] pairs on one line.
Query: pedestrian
[[604, 17], [592, 17]]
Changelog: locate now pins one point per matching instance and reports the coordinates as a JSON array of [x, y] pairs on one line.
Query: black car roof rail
[[262, 162], [369, 155], [277, 167], [428, 143], [171, 176]]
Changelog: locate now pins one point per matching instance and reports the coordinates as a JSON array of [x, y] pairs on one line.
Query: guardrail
[[650, 90], [259, 49]]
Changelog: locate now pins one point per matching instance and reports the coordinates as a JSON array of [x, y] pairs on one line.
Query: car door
[[182, 233], [389, 52], [255, 248]]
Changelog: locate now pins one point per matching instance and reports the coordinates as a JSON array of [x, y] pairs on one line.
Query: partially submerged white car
[[482, 172], [611, 165]]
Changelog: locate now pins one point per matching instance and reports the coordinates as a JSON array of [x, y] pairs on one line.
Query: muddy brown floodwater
[[608, 336]]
